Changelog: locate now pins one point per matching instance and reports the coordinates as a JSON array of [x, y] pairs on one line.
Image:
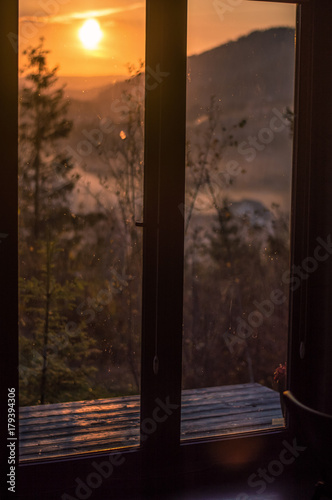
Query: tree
[[46, 175], [55, 361], [205, 199], [54, 357], [206, 146], [122, 183]]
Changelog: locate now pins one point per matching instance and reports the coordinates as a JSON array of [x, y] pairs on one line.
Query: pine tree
[[55, 353], [46, 175], [55, 361]]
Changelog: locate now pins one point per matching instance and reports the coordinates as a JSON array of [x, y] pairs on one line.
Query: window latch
[[155, 365]]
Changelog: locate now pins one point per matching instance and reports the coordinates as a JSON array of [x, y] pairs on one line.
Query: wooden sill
[[66, 429]]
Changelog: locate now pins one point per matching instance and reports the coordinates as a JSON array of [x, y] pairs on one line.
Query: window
[[240, 103], [161, 453], [81, 123]]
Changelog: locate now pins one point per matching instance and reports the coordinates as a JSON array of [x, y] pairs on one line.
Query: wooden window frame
[[162, 456]]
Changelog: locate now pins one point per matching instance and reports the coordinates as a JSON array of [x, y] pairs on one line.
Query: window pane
[[81, 191], [238, 184]]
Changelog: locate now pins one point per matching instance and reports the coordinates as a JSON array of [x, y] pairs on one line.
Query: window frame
[[166, 32], [8, 221]]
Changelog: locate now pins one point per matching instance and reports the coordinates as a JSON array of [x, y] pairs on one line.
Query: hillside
[[256, 69], [249, 78]]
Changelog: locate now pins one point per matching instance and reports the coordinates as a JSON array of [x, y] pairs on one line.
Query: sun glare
[[90, 34]]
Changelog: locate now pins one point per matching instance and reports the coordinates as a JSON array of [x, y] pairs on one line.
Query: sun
[[90, 34]]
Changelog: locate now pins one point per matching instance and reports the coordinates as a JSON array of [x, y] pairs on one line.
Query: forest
[[80, 252]]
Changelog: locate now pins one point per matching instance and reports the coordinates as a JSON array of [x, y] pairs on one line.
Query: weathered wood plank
[[82, 426]]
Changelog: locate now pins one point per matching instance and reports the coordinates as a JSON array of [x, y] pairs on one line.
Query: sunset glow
[[90, 34], [104, 36]]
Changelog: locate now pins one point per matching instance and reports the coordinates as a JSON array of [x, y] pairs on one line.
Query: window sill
[[66, 429]]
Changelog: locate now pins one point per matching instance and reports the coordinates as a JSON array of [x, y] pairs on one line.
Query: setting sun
[[90, 34]]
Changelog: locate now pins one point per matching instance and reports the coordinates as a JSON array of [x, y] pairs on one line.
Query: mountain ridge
[[225, 54], [250, 78]]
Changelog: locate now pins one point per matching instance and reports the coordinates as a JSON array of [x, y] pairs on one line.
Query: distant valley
[[252, 79]]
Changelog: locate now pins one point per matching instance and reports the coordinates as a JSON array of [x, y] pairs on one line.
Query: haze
[[123, 25]]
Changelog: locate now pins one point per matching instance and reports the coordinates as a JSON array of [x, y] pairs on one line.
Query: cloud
[[68, 18]]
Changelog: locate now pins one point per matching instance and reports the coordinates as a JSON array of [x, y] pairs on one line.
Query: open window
[[160, 454], [240, 109], [81, 121]]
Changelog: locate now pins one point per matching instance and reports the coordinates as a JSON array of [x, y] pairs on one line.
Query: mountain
[[256, 69], [258, 66], [88, 87], [252, 79]]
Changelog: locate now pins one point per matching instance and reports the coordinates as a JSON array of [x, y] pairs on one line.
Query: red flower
[[280, 374]]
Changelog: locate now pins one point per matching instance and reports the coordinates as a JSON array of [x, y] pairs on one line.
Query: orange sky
[[123, 26]]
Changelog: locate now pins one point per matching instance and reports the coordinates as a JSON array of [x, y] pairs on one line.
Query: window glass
[[238, 184], [81, 94]]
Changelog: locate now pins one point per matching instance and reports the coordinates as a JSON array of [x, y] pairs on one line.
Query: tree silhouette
[[205, 195], [45, 174], [55, 361], [122, 203], [54, 357]]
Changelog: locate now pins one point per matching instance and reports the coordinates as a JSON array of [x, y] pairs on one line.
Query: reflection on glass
[[80, 182], [238, 177]]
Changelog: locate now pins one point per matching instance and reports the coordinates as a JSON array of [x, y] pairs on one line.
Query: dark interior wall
[[320, 216], [311, 367]]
